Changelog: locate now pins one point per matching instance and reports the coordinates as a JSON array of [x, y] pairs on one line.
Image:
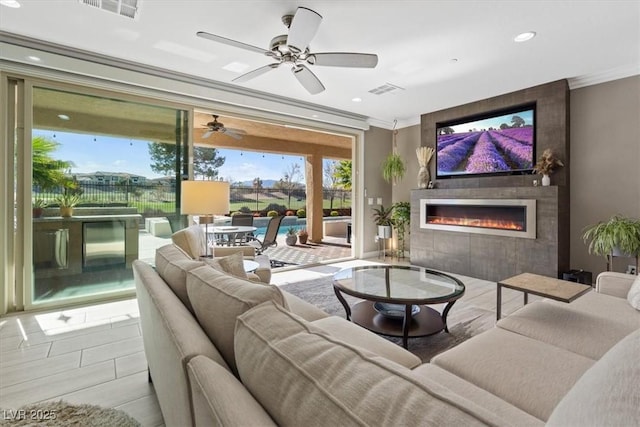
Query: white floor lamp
[[205, 198]]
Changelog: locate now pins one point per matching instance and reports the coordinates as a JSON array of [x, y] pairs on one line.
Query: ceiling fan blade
[[232, 134], [207, 134], [237, 131], [230, 42], [255, 73], [344, 59], [304, 26], [307, 79]]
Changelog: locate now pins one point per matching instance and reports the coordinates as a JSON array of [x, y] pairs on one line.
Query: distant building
[[109, 178]]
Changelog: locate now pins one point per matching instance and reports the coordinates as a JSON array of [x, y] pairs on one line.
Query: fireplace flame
[[474, 222]]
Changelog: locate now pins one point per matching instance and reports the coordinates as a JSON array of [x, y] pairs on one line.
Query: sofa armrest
[[614, 284]]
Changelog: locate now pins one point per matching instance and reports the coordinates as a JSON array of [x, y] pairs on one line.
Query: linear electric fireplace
[[500, 217]]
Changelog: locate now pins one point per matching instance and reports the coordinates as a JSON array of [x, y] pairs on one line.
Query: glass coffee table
[[395, 299]]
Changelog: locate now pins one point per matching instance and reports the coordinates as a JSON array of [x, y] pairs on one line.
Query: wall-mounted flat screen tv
[[499, 142]]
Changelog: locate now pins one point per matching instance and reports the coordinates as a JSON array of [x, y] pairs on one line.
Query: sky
[[100, 153], [494, 122]]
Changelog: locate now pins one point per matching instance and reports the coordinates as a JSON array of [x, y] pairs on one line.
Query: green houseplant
[[619, 236], [393, 168], [292, 236], [401, 217], [67, 202], [382, 218], [38, 207]]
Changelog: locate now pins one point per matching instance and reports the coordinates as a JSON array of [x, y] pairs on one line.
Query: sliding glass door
[[102, 188]]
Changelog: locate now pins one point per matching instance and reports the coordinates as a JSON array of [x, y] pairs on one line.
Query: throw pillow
[[634, 294], [172, 265], [232, 264], [218, 298]]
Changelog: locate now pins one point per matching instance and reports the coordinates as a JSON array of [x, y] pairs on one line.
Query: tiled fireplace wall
[[498, 257], [495, 257]]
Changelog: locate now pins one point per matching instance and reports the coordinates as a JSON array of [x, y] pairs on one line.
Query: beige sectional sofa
[[226, 351]]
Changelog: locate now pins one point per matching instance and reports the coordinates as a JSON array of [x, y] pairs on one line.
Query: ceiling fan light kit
[[293, 49]]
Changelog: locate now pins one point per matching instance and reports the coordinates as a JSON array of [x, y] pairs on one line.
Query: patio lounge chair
[[270, 236]]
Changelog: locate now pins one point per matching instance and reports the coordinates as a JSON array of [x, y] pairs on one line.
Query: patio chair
[[242, 220], [270, 236]]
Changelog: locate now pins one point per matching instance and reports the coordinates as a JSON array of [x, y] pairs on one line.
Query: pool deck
[[331, 248]]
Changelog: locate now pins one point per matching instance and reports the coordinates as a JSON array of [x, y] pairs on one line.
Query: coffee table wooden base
[[427, 322]]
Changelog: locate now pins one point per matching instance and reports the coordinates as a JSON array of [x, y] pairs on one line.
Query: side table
[[556, 289]]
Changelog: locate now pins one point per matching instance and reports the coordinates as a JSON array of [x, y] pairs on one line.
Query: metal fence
[[158, 198]]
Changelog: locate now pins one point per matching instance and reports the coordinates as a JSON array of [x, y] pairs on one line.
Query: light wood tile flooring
[[94, 354]]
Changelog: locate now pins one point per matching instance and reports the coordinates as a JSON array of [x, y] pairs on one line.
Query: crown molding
[[605, 76]]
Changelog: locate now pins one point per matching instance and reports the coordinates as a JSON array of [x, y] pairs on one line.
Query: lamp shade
[[205, 198]]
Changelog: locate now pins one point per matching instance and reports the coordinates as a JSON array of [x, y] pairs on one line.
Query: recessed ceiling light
[[523, 37], [10, 3], [63, 117], [315, 116], [453, 60], [34, 58], [357, 99]]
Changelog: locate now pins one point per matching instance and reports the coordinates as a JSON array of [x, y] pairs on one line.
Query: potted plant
[[401, 220], [382, 218], [547, 163], [38, 207], [291, 238], [303, 236], [393, 168], [619, 236], [67, 202]]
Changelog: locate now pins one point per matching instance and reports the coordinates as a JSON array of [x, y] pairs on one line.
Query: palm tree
[[47, 171], [257, 186]]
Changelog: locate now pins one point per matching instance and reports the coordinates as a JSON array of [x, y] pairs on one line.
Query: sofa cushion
[[574, 330], [219, 298], [513, 415], [608, 394], [304, 377], [606, 307], [529, 374], [634, 294], [219, 399], [355, 335], [172, 264], [232, 264]]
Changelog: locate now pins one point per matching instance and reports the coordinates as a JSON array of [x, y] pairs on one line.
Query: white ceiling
[[416, 41]]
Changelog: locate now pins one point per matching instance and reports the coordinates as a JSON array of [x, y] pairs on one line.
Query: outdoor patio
[[331, 248]]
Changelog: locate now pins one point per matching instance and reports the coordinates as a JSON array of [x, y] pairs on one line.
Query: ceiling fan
[[293, 49], [216, 126]]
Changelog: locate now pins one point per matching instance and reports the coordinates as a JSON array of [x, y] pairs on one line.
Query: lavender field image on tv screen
[[492, 145]]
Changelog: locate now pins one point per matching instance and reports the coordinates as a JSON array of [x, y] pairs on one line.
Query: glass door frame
[[23, 273]]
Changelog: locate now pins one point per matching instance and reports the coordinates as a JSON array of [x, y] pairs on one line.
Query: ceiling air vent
[[127, 8], [385, 88]]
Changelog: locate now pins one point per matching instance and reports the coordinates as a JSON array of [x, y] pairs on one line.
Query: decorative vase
[[546, 180], [66, 211], [423, 177], [303, 238], [291, 239], [384, 231], [37, 212]]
